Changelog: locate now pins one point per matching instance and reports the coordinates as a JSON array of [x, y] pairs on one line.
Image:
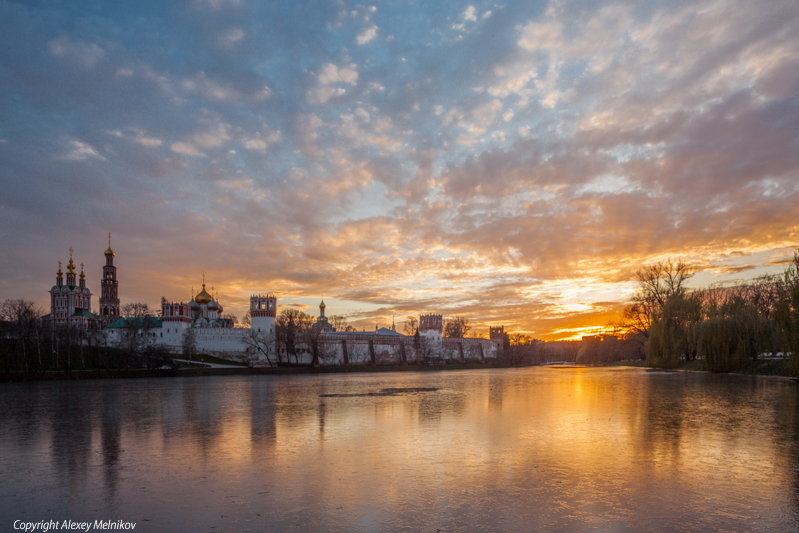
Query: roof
[[135, 322], [84, 312]]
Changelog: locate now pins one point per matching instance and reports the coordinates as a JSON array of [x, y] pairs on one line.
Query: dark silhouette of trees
[[656, 284], [137, 310], [340, 323], [21, 326], [456, 327], [291, 326], [727, 327], [520, 349]]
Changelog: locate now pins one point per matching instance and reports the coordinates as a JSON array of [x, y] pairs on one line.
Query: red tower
[[431, 322], [109, 289]]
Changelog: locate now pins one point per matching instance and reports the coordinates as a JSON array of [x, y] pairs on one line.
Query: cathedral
[[70, 303]]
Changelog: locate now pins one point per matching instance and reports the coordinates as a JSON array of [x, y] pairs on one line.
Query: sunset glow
[[514, 163]]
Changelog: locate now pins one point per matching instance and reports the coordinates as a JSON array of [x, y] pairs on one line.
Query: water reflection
[[505, 450]]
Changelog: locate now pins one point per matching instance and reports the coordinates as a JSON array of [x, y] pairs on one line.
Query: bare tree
[[411, 325], [314, 339], [340, 323], [457, 327], [425, 346], [189, 343], [259, 344], [246, 320], [135, 335], [136, 310], [521, 349], [22, 324], [290, 326], [656, 284]]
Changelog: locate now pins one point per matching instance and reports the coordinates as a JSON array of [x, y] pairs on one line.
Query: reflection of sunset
[[500, 449]]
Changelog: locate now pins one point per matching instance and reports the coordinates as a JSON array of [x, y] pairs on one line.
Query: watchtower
[[497, 335], [263, 310]]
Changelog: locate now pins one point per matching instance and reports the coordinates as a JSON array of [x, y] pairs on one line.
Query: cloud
[[185, 148], [232, 37], [367, 35], [468, 15], [82, 151], [329, 76], [84, 55], [261, 142]]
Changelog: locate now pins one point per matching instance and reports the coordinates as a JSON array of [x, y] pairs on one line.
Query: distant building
[[201, 319]]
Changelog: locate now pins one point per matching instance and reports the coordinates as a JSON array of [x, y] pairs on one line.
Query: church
[[71, 303]]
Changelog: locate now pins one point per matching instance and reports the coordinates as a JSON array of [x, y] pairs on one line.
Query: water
[[485, 450]]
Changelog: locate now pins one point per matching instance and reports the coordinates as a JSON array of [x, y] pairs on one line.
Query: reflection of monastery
[[201, 318]]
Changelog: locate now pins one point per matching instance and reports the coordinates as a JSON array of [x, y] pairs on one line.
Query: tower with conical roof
[[109, 288]]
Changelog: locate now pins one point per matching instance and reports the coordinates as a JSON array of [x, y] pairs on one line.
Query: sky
[[511, 163]]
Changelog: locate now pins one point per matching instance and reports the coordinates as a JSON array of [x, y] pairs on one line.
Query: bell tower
[[109, 293]]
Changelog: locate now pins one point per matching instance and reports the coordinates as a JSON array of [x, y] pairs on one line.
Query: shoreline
[[20, 377], [243, 371]]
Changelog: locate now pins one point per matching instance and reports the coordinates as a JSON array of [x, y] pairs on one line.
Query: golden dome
[[109, 252], [322, 305], [203, 298], [59, 273], [70, 265]]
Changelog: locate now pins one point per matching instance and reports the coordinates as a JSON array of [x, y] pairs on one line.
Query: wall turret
[[431, 326], [497, 335], [263, 310], [176, 319]]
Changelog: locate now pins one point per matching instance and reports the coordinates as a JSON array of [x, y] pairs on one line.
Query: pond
[[571, 449]]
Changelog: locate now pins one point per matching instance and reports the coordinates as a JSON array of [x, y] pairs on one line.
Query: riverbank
[[761, 367], [241, 371]]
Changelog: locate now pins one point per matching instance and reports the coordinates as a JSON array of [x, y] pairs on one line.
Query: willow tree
[[786, 315], [673, 333], [733, 333]]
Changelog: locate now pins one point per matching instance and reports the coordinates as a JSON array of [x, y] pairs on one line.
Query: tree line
[[29, 344], [726, 327]]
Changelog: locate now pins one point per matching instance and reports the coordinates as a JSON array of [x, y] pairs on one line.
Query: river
[[570, 449]]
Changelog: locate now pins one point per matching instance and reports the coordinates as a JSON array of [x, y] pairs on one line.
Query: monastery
[[201, 321]]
